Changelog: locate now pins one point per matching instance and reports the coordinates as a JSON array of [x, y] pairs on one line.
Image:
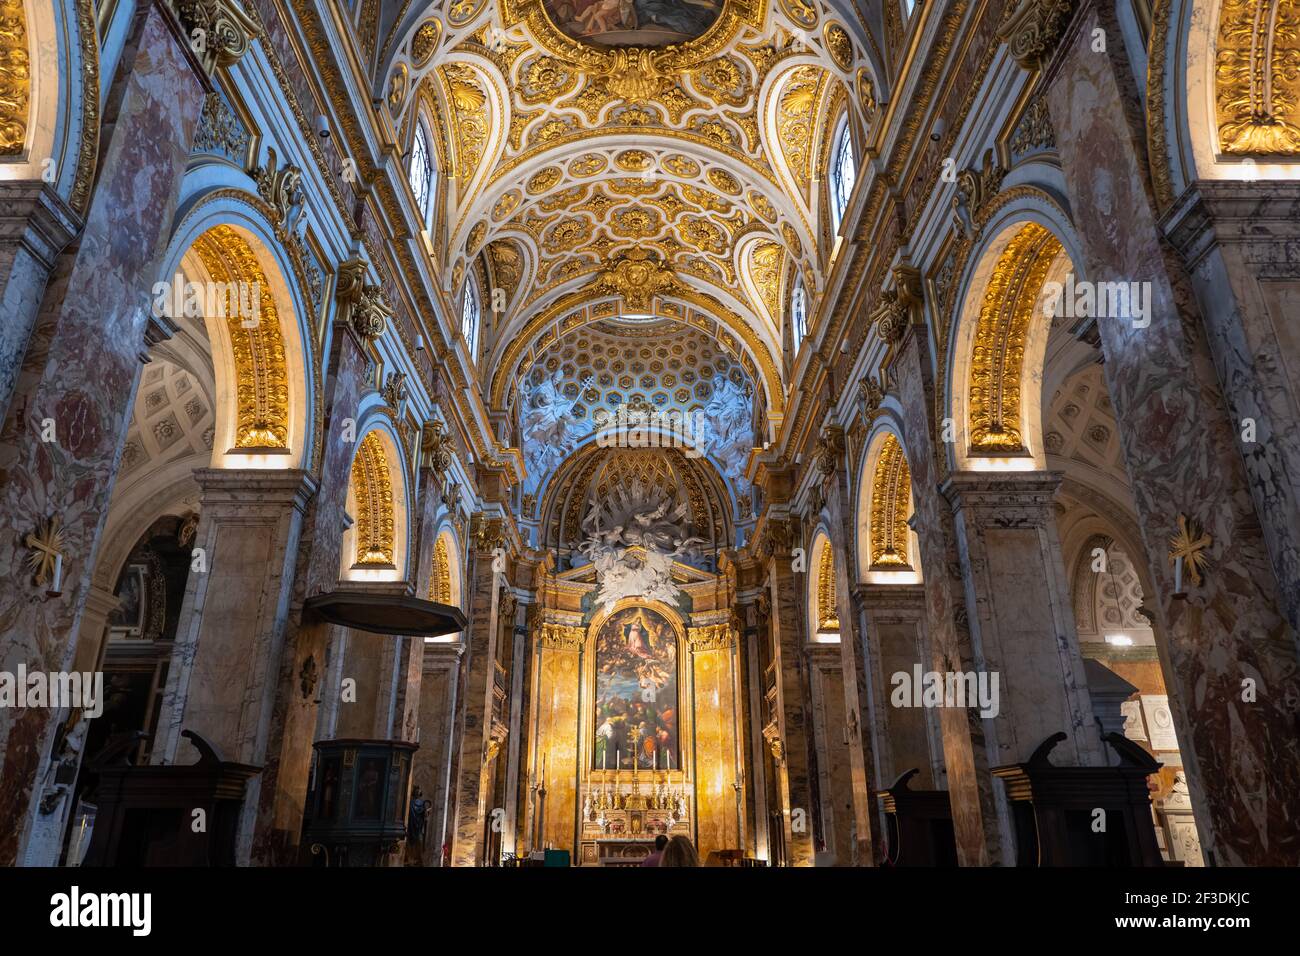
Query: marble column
[[1240, 242], [793, 725], [94, 315], [971, 787], [35, 225], [431, 766], [905, 738], [1234, 672], [478, 742], [854, 681]]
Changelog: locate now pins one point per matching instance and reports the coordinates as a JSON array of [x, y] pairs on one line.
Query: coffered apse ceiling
[[682, 176]]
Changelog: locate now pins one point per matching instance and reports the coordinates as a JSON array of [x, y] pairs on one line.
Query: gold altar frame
[[680, 776]]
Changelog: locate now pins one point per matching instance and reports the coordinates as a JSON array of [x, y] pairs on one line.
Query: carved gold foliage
[[891, 487], [507, 266], [637, 278], [839, 44], [828, 617], [470, 119], [261, 372], [372, 486], [795, 117], [997, 358], [425, 41], [543, 180], [765, 271], [1257, 76], [15, 77], [440, 573]]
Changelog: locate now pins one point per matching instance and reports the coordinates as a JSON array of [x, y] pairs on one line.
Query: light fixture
[[1119, 640]]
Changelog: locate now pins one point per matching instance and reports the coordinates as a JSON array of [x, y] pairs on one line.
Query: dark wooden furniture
[[918, 825], [357, 802], [148, 815], [1083, 816]]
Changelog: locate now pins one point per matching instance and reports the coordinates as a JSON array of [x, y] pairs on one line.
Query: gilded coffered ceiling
[[588, 175]]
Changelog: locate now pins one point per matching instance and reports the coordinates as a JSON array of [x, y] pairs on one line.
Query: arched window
[[844, 172], [470, 313], [909, 7], [798, 314], [422, 173]]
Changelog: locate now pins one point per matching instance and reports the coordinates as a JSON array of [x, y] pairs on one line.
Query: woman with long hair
[[679, 852]]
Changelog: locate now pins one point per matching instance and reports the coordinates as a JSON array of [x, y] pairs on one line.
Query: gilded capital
[[1034, 29], [219, 31]]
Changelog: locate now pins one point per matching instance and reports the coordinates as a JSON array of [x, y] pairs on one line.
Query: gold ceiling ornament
[[1257, 79], [828, 616], [256, 343], [425, 41], [507, 266], [462, 12], [839, 44], [471, 119], [587, 165], [15, 77], [724, 181], [891, 488], [440, 573], [543, 180], [1187, 551], [803, 13], [638, 278], [1011, 301], [632, 74], [46, 559], [227, 30], [796, 115], [1033, 30], [372, 487], [765, 259]]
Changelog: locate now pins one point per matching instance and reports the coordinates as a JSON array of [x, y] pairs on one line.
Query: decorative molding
[[15, 78], [891, 489]]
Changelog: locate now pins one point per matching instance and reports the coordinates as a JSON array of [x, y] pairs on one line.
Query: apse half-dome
[[642, 23]]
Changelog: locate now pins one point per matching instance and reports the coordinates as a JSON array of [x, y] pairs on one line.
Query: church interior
[[503, 433]]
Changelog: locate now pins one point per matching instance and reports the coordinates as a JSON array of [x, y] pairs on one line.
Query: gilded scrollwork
[[891, 487], [1257, 83], [372, 488], [1011, 301]]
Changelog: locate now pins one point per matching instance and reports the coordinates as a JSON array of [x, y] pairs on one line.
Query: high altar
[[636, 721]]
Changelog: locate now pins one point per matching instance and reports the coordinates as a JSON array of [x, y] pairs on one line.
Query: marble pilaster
[[431, 765], [35, 225], [1240, 242], [476, 750], [947, 635], [1181, 449], [831, 729], [792, 697], [93, 315], [905, 738], [855, 678], [1021, 621]]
